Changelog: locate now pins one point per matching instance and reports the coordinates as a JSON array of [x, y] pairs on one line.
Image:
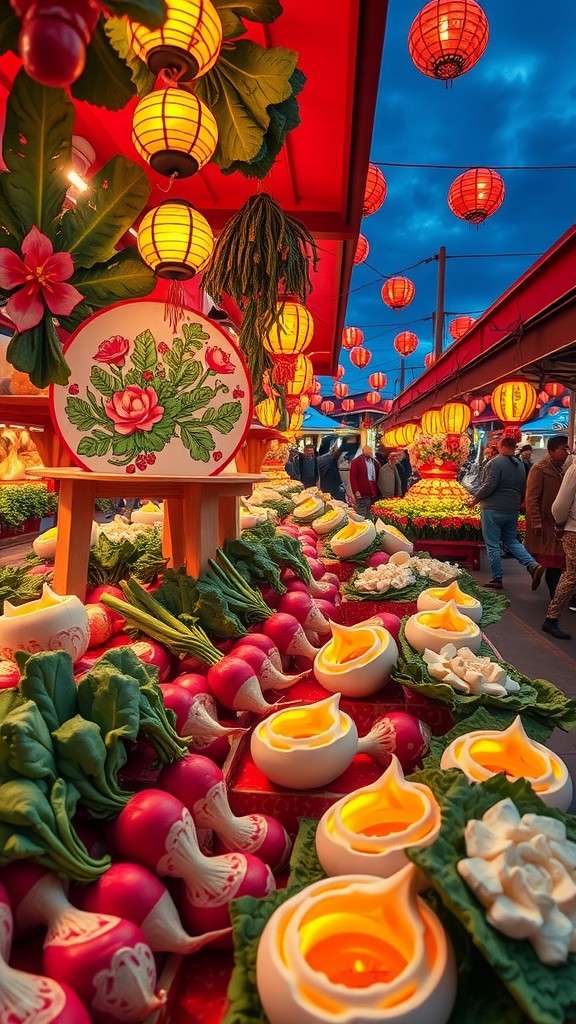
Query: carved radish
[[256, 639], [196, 715], [400, 733], [288, 635], [32, 999], [269, 677], [302, 607], [234, 683]]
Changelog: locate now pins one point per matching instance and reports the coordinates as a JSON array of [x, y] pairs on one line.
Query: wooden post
[[439, 314]]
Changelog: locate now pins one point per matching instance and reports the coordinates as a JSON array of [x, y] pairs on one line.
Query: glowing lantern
[[431, 422], [362, 250], [476, 194], [377, 380], [267, 413], [340, 390], [447, 38], [459, 325], [288, 338], [316, 400], [387, 404], [295, 422], [328, 407], [406, 434], [375, 191], [360, 357], [339, 373], [429, 360], [543, 397], [455, 418], [553, 410], [373, 398], [390, 438], [316, 386], [477, 406], [187, 43], [553, 389], [175, 240], [566, 401], [514, 401], [348, 405], [301, 379], [405, 343], [398, 292], [174, 132], [352, 337]]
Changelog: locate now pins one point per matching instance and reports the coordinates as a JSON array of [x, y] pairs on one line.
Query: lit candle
[[433, 629], [353, 538], [434, 597], [357, 661]]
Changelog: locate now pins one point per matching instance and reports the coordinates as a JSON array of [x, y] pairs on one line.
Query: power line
[[491, 255], [495, 167]]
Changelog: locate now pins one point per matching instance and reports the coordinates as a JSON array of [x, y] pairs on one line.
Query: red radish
[[329, 611], [302, 607], [316, 568], [6, 927], [196, 715], [191, 681], [94, 597], [42, 569], [200, 785], [307, 531], [269, 677], [330, 593], [331, 577], [157, 830], [131, 891], [9, 675], [193, 665], [235, 685], [100, 624], [153, 653], [390, 622], [30, 998], [104, 959], [297, 586], [269, 595], [377, 558], [290, 531], [264, 643], [400, 733], [309, 551], [288, 635]]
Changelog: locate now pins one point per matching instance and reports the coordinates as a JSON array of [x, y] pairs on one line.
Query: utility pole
[[438, 318], [402, 373]]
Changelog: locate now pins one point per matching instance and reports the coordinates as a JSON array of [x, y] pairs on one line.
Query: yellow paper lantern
[[302, 378], [514, 401], [390, 438], [431, 423], [455, 417], [187, 44], [293, 331], [267, 413], [175, 240], [406, 434], [174, 132]]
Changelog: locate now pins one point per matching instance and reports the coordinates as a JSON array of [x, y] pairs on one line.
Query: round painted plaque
[[143, 398]]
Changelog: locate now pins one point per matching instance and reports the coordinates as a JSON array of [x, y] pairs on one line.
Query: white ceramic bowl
[[353, 538], [435, 597], [424, 630], [51, 623], [357, 660]]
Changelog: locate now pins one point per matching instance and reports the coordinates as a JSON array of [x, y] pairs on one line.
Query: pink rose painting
[[143, 395]]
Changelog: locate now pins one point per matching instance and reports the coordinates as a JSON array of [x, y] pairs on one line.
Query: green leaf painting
[[106, 81]]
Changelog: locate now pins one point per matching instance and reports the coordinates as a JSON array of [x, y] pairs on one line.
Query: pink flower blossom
[[113, 351], [218, 360], [38, 279], [134, 409]]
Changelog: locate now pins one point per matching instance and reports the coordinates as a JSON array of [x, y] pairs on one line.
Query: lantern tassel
[[175, 304]]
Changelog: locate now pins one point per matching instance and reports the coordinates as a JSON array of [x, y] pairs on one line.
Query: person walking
[[525, 454], [307, 466], [404, 470], [364, 480], [542, 488], [564, 512], [500, 496], [329, 473], [389, 482]]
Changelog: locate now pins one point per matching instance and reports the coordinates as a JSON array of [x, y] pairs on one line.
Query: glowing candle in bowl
[[148, 514], [434, 597], [393, 540], [355, 950], [433, 629], [331, 520], [305, 747], [357, 661], [51, 623], [484, 753], [367, 831], [353, 538]]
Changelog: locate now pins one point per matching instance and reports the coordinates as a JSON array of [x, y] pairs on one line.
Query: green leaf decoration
[[284, 117], [144, 356], [231, 13], [103, 381], [547, 995], [151, 13], [11, 233], [104, 212], [123, 276], [194, 335], [94, 445], [197, 399], [117, 32], [80, 413], [243, 83], [224, 418], [38, 353], [198, 440], [106, 80], [36, 151], [9, 28]]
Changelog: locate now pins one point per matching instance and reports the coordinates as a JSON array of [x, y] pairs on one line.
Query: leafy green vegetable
[[18, 586], [248, 603], [48, 679], [26, 744], [213, 612], [111, 561], [546, 994], [260, 565], [283, 550], [82, 759], [282, 507]]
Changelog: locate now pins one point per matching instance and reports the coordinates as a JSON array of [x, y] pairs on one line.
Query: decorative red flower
[[163, 348], [217, 456], [218, 360], [237, 393], [113, 351], [134, 409], [39, 279], [73, 389], [148, 375]]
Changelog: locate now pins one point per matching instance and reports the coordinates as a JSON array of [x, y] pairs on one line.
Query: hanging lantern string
[[171, 180], [171, 78]]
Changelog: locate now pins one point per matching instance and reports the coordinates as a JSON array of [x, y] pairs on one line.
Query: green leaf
[[36, 150], [106, 80], [94, 447], [197, 399], [81, 756], [224, 418], [9, 28], [11, 231], [284, 117], [103, 381], [151, 13], [80, 413], [124, 276], [104, 212], [198, 440], [38, 353], [48, 680], [117, 31], [187, 376], [144, 355], [194, 335], [156, 439], [125, 446], [26, 744], [230, 13]]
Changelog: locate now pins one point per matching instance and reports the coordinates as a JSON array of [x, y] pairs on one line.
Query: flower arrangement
[[442, 451], [433, 518]]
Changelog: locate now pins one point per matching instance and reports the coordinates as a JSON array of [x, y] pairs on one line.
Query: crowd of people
[[360, 480]]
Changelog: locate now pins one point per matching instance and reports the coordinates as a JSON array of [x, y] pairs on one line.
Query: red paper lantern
[[362, 250], [406, 343], [373, 398], [554, 389], [352, 337], [377, 381], [327, 407], [477, 405], [375, 191], [316, 386], [447, 38], [429, 360], [387, 404], [339, 373], [315, 400], [459, 325], [476, 194], [398, 292], [543, 397], [340, 390], [566, 401], [360, 357], [348, 405]]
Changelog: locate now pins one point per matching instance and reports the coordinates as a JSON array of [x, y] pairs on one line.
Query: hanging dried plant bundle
[[261, 255]]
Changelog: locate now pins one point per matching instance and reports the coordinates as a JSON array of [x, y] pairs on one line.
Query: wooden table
[[199, 514]]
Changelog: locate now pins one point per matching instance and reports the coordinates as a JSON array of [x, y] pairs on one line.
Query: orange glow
[[398, 292], [360, 357], [447, 38], [406, 343], [375, 191], [455, 418], [476, 194], [514, 401], [431, 422], [352, 337]]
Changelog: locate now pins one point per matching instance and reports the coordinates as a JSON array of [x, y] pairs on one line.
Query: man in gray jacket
[[500, 496]]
